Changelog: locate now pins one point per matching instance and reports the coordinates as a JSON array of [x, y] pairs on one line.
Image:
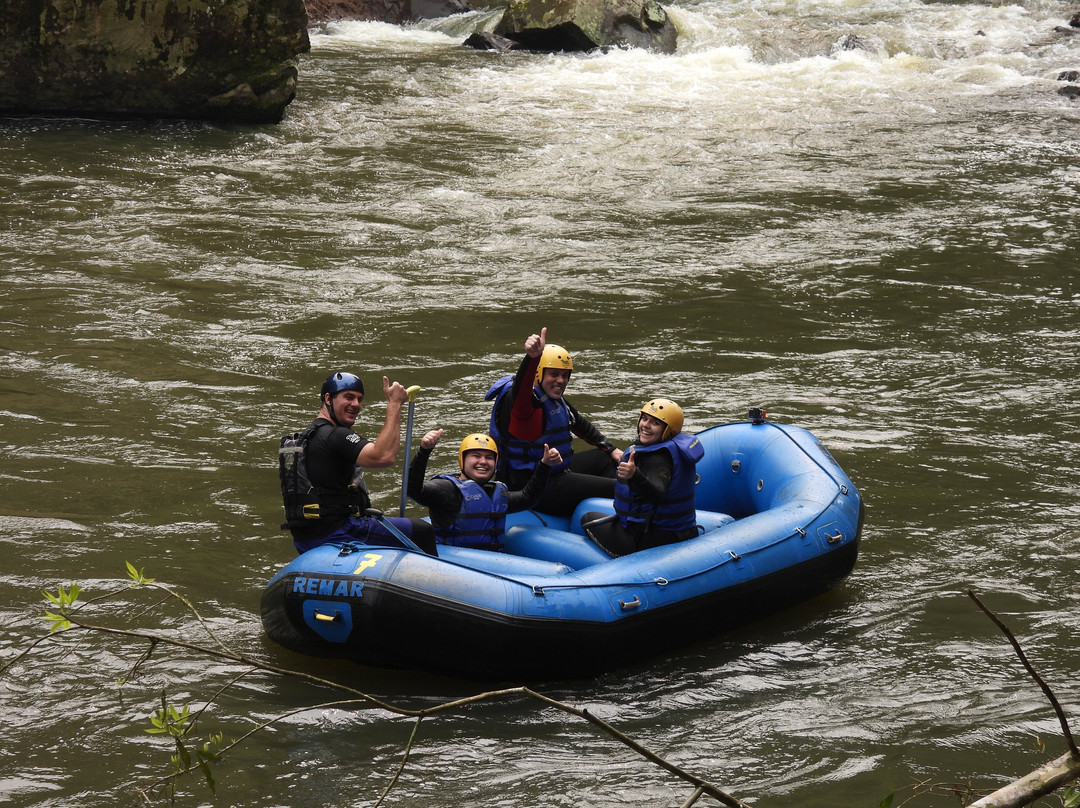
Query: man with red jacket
[[530, 410]]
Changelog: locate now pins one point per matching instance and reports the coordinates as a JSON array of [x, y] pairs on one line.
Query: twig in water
[[401, 767], [1034, 675]]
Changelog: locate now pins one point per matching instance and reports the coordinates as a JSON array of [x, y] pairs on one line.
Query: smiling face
[[650, 430], [554, 382], [478, 465], [345, 406]]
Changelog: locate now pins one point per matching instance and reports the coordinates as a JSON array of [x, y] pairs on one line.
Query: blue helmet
[[336, 382]]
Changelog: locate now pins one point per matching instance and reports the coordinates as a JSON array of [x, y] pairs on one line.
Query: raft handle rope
[[540, 590], [630, 604], [539, 518], [603, 520], [732, 556]]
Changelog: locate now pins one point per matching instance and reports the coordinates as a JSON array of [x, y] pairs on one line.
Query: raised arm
[[383, 450], [418, 469]]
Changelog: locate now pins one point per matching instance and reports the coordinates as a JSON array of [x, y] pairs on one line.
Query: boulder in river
[[395, 12], [228, 60], [584, 25]]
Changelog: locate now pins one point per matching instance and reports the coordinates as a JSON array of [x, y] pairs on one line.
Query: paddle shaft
[[412, 391], [377, 514]]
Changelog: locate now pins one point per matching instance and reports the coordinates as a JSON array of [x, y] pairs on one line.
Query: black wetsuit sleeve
[[653, 476], [530, 495], [417, 473], [438, 496], [584, 429]]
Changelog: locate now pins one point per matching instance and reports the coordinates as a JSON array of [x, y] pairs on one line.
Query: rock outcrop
[[584, 25], [396, 12], [227, 60]]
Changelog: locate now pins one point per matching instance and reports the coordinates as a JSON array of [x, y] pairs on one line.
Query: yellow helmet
[[666, 411], [473, 442], [554, 356]]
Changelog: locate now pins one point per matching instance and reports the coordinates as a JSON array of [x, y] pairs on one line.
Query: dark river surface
[[876, 244]]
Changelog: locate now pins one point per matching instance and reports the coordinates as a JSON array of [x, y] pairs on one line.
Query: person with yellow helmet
[[530, 411], [654, 491], [469, 508]]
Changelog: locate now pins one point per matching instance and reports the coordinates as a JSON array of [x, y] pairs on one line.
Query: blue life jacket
[[678, 511], [522, 455], [482, 518]]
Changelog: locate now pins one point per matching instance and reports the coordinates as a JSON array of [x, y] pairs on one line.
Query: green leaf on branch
[[137, 576], [65, 600], [59, 622], [171, 721], [181, 760], [210, 752], [178, 723]]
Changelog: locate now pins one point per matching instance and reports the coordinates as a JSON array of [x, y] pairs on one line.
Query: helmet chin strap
[[330, 409]]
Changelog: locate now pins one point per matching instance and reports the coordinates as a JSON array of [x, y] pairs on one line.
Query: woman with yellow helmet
[[530, 412], [654, 491], [469, 508]]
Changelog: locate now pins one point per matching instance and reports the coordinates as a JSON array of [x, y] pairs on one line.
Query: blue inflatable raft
[[781, 523]]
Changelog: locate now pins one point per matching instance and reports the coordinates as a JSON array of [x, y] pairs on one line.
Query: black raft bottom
[[397, 627]]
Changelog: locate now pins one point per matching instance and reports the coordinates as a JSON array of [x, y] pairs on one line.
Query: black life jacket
[[304, 501]]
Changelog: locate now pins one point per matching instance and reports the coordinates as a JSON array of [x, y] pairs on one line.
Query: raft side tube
[[706, 520], [507, 563], [744, 473], [550, 545]]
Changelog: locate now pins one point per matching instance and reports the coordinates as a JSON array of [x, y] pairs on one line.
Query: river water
[[876, 244]]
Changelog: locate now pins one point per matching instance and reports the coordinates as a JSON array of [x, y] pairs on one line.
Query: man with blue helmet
[[322, 467]]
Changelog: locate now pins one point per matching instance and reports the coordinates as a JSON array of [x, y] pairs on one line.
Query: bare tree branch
[[363, 698], [1029, 788], [401, 767], [1054, 774], [1020, 793], [1034, 675]]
